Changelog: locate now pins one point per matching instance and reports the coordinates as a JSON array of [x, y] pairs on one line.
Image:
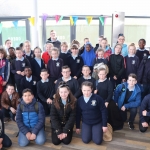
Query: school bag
[[107, 136]]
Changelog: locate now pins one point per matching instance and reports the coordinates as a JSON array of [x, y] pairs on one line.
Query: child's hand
[[144, 113], [64, 135], [145, 124], [95, 92], [32, 137], [106, 104], [115, 78], [55, 81], [123, 108], [49, 101], [4, 83], [78, 131], [75, 77], [18, 72], [1, 140], [60, 136], [13, 110], [22, 73], [28, 135], [104, 129]]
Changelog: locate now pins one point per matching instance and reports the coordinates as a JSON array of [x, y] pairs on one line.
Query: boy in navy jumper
[[128, 97], [37, 63], [30, 119], [73, 83], [17, 68], [29, 81], [75, 62], [132, 61], [54, 65], [64, 53], [144, 114], [92, 110], [45, 91], [142, 52], [28, 53]]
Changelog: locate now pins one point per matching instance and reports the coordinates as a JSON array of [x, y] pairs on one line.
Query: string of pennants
[[15, 23], [74, 19]]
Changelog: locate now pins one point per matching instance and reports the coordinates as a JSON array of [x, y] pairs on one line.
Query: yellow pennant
[[89, 19], [71, 20], [32, 20]]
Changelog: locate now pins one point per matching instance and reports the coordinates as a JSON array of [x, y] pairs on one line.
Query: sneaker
[[131, 125]]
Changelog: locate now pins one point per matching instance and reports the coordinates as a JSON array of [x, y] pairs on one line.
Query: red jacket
[[46, 57]]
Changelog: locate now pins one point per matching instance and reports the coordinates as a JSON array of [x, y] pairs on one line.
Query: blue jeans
[[92, 132], [40, 138]]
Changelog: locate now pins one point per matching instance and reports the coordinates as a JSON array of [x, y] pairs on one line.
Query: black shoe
[[131, 125]]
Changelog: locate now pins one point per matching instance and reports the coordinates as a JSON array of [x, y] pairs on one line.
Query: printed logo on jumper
[[93, 103], [78, 60], [145, 54], [23, 64], [34, 82], [57, 64], [133, 62]]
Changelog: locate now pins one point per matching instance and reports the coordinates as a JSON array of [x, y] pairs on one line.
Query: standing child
[[45, 91], [28, 53], [37, 63], [116, 66], [81, 50], [64, 53], [54, 65], [88, 56], [75, 62], [63, 113], [4, 66], [46, 56], [132, 61], [92, 110], [142, 52], [8, 44], [30, 119], [17, 68], [29, 81]]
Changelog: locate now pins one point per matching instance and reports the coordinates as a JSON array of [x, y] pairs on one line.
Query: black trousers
[[57, 141], [8, 114], [141, 128], [46, 107], [18, 84], [115, 82], [6, 141]]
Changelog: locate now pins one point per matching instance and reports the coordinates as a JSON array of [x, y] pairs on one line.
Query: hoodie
[[56, 43]]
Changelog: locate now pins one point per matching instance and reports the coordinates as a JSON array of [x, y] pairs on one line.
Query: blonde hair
[[49, 44], [132, 45], [100, 50], [64, 43], [55, 49], [101, 66], [27, 42]]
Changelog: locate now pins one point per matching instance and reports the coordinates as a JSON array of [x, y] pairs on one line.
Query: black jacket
[[63, 119], [1, 125], [96, 47], [55, 43]]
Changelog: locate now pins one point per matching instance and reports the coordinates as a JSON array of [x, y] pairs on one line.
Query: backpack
[[36, 106]]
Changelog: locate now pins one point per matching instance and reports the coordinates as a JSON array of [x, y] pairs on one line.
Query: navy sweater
[[141, 53], [97, 61], [92, 112], [31, 85], [29, 57], [145, 105], [64, 57], [75, 65], [36, 69], [54, 68], [18, 65], [132, 65]]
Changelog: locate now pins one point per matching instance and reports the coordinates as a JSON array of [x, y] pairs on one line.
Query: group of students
[[93, 85]]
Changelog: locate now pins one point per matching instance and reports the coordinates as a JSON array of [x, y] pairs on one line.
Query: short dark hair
[[86, 38], [37, 48], [133, 76], [21, 45], [27, 67], [66, 67], [87, 83], [27, 90], [3, 51], [9, 85], [74, 46], [11, 48], [18, 49], [144, 41], [44, 70]]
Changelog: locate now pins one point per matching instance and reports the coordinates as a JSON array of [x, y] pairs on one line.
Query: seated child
[[62, 115], [92, 110], [128, 97], [54, 65], [4, 139], [144, 114], [45, 91], [37, 63], [30, 118], [64, 53], [29, 81], [9, 102]]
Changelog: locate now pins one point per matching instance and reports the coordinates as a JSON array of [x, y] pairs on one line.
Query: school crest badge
[[133, 62], [145, 54], [93, 103], [34, 82], [23, 64], [57, 64], [78, 60]]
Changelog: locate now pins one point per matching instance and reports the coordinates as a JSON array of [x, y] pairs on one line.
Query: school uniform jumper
[[64, 57], [140, 53]]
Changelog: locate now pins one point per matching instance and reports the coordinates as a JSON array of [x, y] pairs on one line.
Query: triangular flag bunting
[[75, 18], [45, 16], [61, 18], [1, 26], [102, 20], [71, 20], [15, 23], [57, 17], [89, 19], [32, 20]]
